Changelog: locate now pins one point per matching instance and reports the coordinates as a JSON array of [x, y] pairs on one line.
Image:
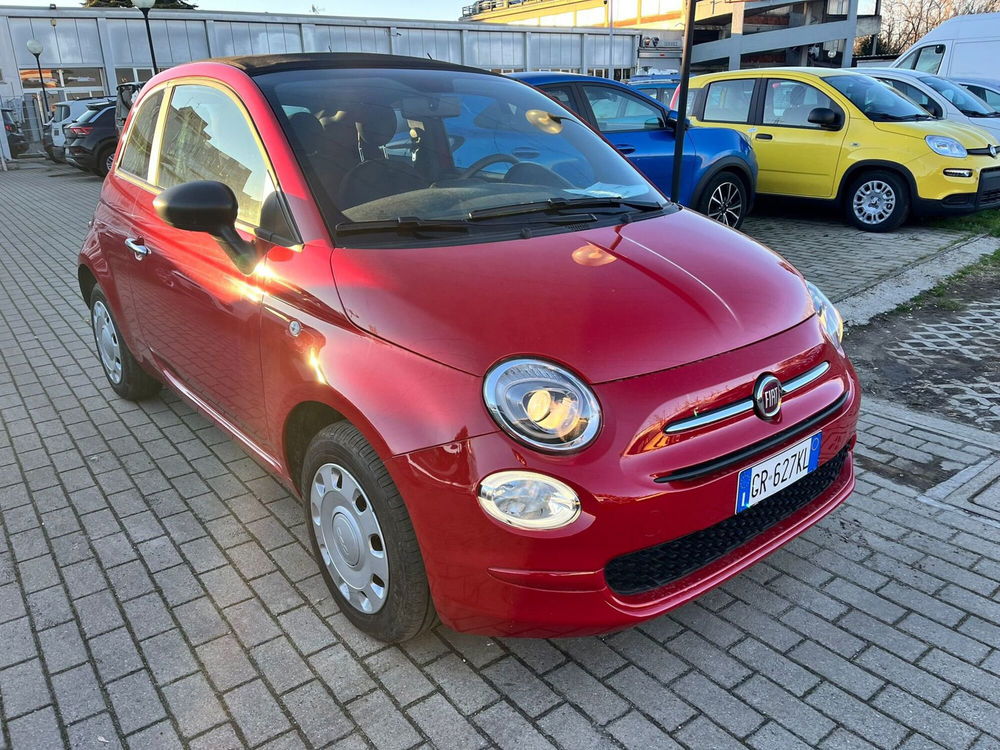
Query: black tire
[[725, 199], [132, 383], [407, 609], [877, 201], [103, 162]]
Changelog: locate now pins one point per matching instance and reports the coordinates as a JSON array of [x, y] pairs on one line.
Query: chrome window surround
[[741, 407]]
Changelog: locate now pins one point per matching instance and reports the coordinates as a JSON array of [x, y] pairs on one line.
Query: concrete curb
[[888, 294]]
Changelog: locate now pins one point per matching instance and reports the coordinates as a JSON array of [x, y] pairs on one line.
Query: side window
[[729, 101], [561, 94], [135, 157], [919, 97], [206, 137], [926, 59], [619, 111], [987, 95], [790, 102]]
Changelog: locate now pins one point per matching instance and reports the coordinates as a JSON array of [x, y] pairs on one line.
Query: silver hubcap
[[350, 538], [874, 202], [109, 162], [108, 346], [725, 205]]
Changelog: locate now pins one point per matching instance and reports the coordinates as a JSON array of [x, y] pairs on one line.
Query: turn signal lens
[[528, 500]]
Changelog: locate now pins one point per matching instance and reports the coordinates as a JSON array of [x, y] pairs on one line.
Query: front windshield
[[876, 100], [416, 146], [968, 104]]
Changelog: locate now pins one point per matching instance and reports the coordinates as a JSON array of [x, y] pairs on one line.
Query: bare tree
[[905, 21]]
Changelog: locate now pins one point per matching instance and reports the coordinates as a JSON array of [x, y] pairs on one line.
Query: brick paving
[[156, 590]]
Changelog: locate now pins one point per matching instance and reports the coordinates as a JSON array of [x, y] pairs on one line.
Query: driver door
[[200, 316]]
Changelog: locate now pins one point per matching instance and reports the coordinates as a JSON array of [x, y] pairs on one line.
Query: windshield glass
[[386, 145], [876, 100], [967, 103]]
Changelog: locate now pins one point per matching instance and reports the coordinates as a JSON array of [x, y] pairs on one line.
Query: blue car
[[658, 86], [719, 171]]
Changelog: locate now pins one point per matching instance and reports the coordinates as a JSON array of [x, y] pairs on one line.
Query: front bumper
[[493, 579], [978, 194]]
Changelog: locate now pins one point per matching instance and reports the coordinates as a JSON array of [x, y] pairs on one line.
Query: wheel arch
[[87, 281], [301, 425], [728, 164], [872, 165]]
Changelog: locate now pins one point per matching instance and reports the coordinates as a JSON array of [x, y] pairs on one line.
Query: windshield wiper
[[415, 224], [970, 113], [402, 223], [559, 204], [886, 117]]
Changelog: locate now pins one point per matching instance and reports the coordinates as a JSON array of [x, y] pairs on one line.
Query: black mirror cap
[[825, 117], [198, 206]]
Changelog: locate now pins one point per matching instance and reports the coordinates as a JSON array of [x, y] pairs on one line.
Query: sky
[[447, 10]]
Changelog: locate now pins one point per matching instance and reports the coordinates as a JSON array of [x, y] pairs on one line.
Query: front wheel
[[362, 537], [725, 200], [877, 201]]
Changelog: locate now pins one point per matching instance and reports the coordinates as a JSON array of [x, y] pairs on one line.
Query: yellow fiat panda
[[839, 135]]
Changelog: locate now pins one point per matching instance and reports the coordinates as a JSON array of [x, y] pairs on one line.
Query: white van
[[963, 45]]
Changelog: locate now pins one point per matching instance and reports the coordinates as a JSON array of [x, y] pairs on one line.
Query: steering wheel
[[480, 164]]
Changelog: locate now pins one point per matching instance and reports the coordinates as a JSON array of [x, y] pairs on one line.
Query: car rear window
[[729, 101]]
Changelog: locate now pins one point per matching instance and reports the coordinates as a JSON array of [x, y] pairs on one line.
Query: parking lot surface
[[156, 589]]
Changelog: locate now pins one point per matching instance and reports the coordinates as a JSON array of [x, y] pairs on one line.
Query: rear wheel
[[362, 537], [124, 374], [105, 159], [725, 200], [877, 201]]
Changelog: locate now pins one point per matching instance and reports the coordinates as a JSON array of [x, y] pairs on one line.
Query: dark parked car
[[91, 140], [15, 138]]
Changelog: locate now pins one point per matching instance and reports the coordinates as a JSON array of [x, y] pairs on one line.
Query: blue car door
[[636, 126]]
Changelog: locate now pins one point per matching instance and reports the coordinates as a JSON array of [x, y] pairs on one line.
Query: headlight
[[528, 500], [829, 316], [941, 144], [542, 405]]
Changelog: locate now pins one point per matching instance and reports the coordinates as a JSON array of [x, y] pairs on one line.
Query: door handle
[[139, 250], [764, 137], [625, 149]]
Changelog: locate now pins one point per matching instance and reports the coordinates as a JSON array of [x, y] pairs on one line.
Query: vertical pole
[[682, 100], [41, 82], [611, 40], [149, 36]]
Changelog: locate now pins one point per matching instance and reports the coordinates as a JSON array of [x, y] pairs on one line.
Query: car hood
[[968, 135], [611, 302]]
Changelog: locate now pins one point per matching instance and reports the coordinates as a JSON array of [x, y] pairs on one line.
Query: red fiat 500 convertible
[[515, 387]]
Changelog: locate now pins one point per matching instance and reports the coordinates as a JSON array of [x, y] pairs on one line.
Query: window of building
[[207, 137], [790, 102], [135, 158], [729, 101], [620, 111], [127, 75]]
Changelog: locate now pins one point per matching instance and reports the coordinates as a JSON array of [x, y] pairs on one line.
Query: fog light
[[528, 500], [958, 173]]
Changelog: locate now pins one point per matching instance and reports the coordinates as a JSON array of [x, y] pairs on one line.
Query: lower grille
[[989, 186], [653, 567]]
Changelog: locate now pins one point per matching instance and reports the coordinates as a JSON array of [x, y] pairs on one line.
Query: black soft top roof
[[254, 65]]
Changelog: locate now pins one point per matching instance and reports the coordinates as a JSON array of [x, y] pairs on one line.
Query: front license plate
[[777, 472]]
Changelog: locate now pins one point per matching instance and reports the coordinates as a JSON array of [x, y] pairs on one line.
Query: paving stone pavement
[[156, 590], [840, 259]]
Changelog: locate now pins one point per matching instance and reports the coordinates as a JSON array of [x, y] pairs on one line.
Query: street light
[[144, 6], [35, 47]]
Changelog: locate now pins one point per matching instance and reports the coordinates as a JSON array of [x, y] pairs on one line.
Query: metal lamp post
[[144, 7], [35, 47]]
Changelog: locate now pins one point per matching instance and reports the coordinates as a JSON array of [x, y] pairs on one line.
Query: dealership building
[[87, 52]]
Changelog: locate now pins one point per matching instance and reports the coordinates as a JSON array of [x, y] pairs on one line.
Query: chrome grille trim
[[741, 407]]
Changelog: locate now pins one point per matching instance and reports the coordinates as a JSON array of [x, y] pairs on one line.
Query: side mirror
[[825, 118], [207, 206]]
